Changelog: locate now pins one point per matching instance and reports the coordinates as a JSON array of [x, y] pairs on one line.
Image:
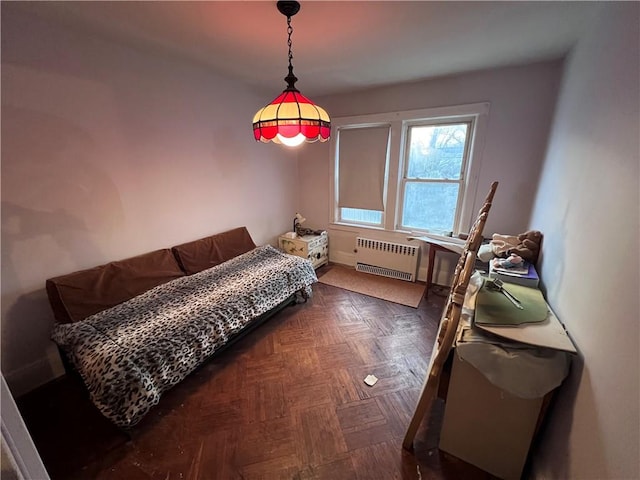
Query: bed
[[135, 328]]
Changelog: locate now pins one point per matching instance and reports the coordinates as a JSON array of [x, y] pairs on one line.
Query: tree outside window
[[434, 174]]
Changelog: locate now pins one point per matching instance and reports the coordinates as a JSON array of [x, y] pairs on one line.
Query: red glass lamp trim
[[289, 115]]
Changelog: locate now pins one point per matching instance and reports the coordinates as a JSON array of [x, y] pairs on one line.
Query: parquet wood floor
[[286, 402]]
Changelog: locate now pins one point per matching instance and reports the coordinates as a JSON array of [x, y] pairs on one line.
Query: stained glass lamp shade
[[291, 118]]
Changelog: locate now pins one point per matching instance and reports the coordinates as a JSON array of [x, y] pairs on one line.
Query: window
[[408, 171], [359, 215], [364, 156], [435, 159]]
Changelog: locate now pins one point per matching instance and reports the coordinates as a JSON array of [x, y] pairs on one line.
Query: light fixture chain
[[291, 78], [285, 120], [289, 32]]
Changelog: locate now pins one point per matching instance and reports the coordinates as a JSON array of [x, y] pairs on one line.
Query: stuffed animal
[[528, 246], [302, 231], [501, 244], [512, 261], [525, 245]]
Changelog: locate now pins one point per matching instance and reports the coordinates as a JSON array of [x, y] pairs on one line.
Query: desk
[[499, 390], [437, 244]]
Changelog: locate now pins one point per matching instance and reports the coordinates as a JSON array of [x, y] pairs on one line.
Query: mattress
[[131, 353]]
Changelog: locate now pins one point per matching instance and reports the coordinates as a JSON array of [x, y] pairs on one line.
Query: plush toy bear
[[528, 246]]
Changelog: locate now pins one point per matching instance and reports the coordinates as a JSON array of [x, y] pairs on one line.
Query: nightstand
[[312, 247]]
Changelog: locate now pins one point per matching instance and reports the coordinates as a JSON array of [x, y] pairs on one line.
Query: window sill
[[354, 228]]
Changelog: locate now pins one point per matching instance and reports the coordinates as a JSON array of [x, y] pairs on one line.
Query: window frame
[[461, 182], [335, 145], [400, 121]]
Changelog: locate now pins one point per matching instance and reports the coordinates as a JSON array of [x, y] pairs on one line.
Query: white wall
[[109, 152], [522, 101], [588, 207]]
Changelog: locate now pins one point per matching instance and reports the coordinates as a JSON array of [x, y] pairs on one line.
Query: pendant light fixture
[[291, 118]]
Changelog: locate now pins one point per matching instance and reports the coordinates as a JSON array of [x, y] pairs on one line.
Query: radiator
[[387, 259]]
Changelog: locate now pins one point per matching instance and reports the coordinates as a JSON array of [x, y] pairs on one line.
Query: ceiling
[[337, 46]]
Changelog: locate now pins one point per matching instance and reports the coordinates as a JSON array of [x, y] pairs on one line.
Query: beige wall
[[588, 206], [109, 152], [522, 101]]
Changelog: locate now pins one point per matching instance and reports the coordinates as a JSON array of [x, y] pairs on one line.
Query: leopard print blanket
[[130, 354]]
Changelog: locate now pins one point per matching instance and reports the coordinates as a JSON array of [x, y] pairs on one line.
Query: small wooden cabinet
[[311, 247]]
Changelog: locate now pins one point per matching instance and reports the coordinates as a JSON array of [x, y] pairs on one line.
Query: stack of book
[[525, 275]]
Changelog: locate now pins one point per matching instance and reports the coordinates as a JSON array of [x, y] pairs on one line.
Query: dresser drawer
[[319, 256], [317, 242], [312, 247]]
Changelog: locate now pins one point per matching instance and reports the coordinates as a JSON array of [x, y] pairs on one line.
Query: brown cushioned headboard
[[210, 251], [77, 295]]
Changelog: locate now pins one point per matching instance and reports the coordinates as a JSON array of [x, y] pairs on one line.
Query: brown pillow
[[77, 295], [210, 251]]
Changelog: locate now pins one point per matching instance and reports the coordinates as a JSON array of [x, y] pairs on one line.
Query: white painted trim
[[16, 437], [477, 113], [440, 277], [431, 113], [446, 262], [343, 258]]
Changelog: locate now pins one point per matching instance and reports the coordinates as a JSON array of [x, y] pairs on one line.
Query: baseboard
[[441, 277], [343, 258], [35, 374]]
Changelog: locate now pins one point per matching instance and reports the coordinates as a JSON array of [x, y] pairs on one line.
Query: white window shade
[[362, 161]]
